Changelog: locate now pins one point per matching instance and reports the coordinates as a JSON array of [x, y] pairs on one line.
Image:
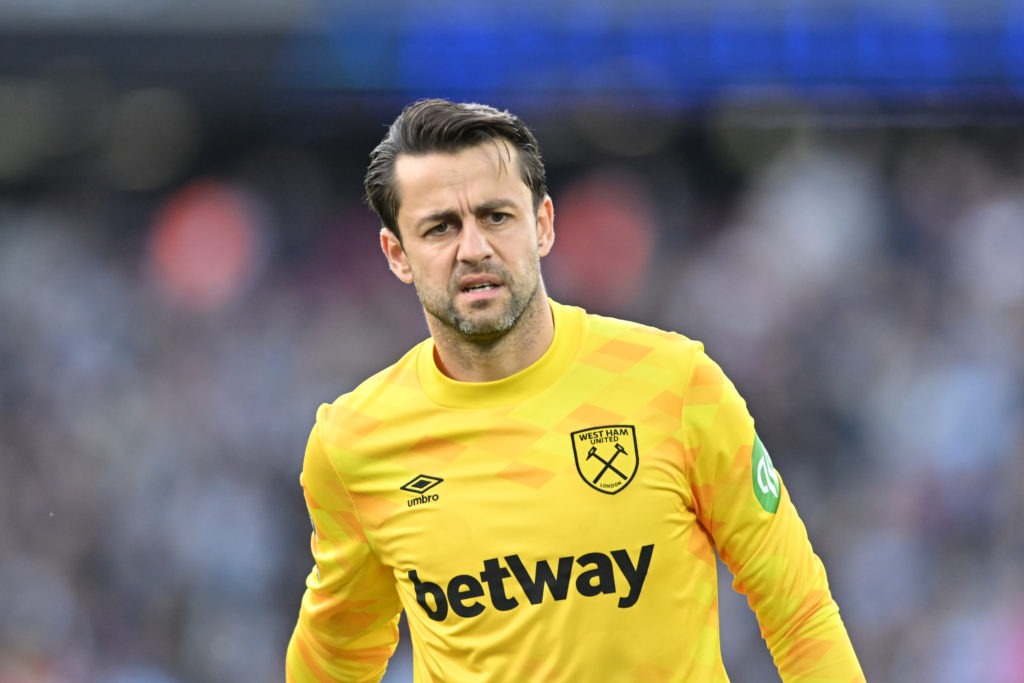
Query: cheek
[[525, 256], [429, 273]]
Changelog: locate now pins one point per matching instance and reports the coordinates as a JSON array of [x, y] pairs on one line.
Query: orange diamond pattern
[[521, 473], [439, 449]]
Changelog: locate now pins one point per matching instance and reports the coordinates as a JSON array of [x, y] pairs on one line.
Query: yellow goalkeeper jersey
[[556, 525]]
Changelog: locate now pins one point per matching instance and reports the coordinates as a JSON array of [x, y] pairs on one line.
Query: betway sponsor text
[[465, 596]]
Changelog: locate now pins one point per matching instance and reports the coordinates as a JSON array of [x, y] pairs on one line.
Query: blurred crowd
[[163, 351]]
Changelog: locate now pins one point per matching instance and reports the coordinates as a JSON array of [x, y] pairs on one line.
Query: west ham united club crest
[[606, 457]]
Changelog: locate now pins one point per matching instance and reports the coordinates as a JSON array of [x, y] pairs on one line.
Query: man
[[542, 490]]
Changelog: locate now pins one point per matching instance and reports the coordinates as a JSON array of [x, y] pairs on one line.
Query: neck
[[473, 360]]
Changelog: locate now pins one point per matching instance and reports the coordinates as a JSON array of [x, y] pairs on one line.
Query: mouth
[[479, 283], [479, 287]]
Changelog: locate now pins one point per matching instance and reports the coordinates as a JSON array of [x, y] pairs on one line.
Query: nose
[[473, 243]]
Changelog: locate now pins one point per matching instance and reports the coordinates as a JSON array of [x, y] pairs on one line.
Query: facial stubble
[[484, 332]]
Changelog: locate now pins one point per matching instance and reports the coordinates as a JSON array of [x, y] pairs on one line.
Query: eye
[[440, 229], [497, 218]]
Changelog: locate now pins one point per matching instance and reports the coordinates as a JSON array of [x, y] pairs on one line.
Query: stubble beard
[[489, 330]]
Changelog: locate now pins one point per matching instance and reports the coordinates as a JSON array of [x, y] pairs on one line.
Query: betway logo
[[596, 577]]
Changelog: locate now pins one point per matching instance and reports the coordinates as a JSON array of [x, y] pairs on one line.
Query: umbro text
[[422, 499], [597, 576]]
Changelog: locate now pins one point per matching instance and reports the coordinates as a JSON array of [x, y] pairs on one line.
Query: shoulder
[[631, 339], [364, 408]]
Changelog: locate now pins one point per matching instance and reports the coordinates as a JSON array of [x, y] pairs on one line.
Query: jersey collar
[[512, 389]]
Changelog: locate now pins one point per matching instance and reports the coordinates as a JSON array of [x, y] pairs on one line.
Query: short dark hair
[[432, 126]]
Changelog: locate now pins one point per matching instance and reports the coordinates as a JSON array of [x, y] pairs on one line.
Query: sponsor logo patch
[[606, 457], [767, 487]]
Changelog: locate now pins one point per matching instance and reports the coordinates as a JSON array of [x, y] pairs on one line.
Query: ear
[[545, 226], [395, 253]]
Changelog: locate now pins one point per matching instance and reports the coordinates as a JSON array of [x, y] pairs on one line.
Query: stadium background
[[829, 197]]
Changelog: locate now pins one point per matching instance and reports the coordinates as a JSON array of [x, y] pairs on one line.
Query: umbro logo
[[421, 483]]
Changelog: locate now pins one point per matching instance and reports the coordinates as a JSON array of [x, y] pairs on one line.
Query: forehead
[[492, 166]]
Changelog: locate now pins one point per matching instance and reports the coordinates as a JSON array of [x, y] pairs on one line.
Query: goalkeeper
[[542, 490]]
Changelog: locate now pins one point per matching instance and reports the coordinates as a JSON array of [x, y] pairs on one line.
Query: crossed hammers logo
[[607, 463]]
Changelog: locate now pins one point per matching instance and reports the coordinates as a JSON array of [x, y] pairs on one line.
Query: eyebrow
[[479, 209]]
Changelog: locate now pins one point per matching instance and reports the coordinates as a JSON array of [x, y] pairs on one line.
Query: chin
[[484, 326]]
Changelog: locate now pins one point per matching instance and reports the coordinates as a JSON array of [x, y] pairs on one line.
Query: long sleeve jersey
[[560, 524]]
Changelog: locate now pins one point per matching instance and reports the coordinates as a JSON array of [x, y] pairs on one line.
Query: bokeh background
[[828, 195]]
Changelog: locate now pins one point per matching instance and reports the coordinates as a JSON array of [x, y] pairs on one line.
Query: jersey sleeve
[[348, 620], [742, 502]]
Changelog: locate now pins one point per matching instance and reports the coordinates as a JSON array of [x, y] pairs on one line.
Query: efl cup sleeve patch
[[767, 488]]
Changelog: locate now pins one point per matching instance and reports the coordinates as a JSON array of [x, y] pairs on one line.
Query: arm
[[742, 502], [348, 621]]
